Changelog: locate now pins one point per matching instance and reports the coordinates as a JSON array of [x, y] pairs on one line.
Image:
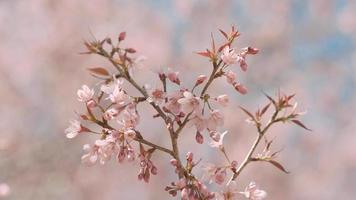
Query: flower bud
[[122, 36], [174, 162], [240, 88], [189, 156], [199, 138], [200, 79]]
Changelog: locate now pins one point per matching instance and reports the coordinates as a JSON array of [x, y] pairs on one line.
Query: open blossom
[[253, 193], [215, 120], [74, 129], [189, 102], [158, 95], [118, 95], [214, 173], [110, 114], [130, 118], [85, 94], [91, 155], [223, 100], [110, 87], [199, 122], [173, 105], [229, 56], [219, 143]]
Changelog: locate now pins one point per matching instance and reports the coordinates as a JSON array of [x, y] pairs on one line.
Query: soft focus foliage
[[307, 47]]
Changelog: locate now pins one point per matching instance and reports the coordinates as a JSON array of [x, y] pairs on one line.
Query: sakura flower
[[173, 105], [209, 172], [118, 95], [130, 118], [110, 87], [85, 94], [223, 100], [189, 102], [107, 147], [158, 95], [110, 114], [230, 77], [215, 120], [4, 190], [199, 122], [229, 56], [218, 144], [253, 193], [74, 129], [91, 155]]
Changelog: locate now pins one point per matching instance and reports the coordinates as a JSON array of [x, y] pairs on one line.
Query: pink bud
[[122, 36], [184, 194], [154, 170], [121, 155], [199, 138], [234, 164], [240, 88], [223, 100], [91, 103], [200, 79], [173, 76], [189, 156], [174, 162]]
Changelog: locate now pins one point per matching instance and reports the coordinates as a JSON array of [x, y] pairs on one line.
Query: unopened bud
[[240, 88], [200, 79], [189, 157]]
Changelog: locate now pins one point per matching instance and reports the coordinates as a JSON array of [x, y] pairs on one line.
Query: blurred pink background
[[307, 47]]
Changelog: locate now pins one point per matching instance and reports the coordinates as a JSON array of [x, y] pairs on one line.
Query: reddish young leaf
[[99, 71], [204, 53], [278, 165], [224, 34], [299, 123], [247, 112], [271, 99], [264, 109]]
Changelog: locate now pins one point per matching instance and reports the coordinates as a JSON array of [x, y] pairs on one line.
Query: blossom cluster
[[112, 114]]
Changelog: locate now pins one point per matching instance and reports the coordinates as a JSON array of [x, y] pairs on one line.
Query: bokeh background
[[307, 47]]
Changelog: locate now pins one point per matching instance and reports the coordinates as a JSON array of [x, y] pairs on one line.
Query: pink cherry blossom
[[253, 193], [74, 129], [215, 120], [173, 105], [223, 100], [91, 155], [229, 56], [118, 95], [85, 94], [110, 114], [158, 96], [199, 122], [218, 144], [189, 102]]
